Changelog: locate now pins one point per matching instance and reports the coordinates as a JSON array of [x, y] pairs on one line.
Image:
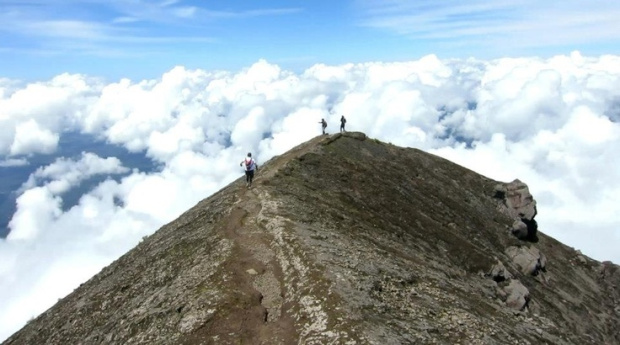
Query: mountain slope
[[346, 240]]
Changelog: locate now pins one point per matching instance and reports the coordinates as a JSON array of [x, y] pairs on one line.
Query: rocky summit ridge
[[347, 240]]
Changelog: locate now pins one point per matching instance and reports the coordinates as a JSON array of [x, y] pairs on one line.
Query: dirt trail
[[257, 277]]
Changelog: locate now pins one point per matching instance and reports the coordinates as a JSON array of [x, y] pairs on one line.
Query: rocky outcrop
[[518, 199], [521, 206], [344, 240], [528, 258]]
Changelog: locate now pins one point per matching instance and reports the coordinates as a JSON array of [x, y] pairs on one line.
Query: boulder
[[355, 135], [529, 259], [518, 296], [519, 229], [499, 273], [519, 199], [521, 206]]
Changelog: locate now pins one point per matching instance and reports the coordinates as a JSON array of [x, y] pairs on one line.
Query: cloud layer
[[553, 123]]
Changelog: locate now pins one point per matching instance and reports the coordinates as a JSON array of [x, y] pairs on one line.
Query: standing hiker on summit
[[250, 166], [342, 122], [323, 125]]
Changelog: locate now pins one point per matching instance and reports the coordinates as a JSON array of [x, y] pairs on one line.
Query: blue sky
[[142, 38]]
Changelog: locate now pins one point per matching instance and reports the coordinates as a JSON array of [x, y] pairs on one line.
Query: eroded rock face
[[343, 240]]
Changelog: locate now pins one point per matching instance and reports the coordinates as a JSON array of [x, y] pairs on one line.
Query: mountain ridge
[[345, 239]]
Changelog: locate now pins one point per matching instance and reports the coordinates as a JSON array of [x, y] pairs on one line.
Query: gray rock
[[191, 321], [518, 296], [355, 135], [520, 201], [529, 259], [520, 206], [519, 229], [499, 273], [582, 259]]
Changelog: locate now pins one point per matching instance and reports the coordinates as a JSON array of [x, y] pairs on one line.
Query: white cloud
[[32, 115], [66, 173], [36, 208], [552, 123], [74, 29], [124, 20], [13, 162], [185, 12], [31, 138]]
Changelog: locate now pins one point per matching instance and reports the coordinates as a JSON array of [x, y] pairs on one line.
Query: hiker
[[342, 122], [250, 166], [324, 125]]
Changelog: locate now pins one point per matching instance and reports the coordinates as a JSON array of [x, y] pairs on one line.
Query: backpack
[[248, 164]]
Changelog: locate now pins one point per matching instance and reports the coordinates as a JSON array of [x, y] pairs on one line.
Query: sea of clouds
[[553, 123]]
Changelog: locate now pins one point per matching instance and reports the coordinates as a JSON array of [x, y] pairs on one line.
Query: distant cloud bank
[[553, 123]]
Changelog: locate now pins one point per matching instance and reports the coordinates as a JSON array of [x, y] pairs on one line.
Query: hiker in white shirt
[[250, 166]]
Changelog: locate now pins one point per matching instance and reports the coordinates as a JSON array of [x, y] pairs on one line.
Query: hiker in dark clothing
[[324, 125], [342, 122], [250, 166]]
